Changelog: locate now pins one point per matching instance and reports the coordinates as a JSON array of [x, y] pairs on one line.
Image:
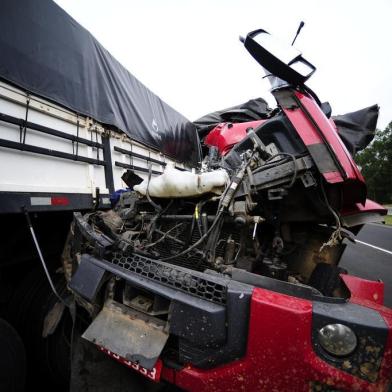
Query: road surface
[[371, 256]]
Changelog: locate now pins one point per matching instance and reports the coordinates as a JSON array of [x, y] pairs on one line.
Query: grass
[[388, 220]]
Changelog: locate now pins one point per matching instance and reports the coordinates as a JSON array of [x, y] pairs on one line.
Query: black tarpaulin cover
[[254, 109], [357, 129], [46, 52]]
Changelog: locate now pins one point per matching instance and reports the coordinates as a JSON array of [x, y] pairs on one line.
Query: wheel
[[12, 359], [48, 359]]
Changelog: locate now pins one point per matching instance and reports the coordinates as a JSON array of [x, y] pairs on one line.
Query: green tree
[[375, 162]]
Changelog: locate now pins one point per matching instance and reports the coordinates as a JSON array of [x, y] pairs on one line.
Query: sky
[[188, 52]]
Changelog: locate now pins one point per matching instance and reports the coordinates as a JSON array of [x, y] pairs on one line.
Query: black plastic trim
[[274, 64], [215, 334], [88, 279], [107, 156], [279, 286], [322, 157]]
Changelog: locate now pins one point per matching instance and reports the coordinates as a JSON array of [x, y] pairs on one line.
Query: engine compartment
[[271, 215]]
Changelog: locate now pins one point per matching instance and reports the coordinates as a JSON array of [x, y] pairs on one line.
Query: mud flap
[[128, 333]]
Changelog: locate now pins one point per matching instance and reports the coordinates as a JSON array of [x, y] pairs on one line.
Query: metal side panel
[[46, 150], [128, 333], [45, 153], [15, 202]]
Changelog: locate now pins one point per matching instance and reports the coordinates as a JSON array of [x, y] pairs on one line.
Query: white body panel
[[22, 171]]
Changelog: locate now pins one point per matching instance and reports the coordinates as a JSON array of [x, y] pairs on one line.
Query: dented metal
[[129, 333]]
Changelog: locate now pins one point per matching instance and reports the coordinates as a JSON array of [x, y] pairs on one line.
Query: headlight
[[337, 339]]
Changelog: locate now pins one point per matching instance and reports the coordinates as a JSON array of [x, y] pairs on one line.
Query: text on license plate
[[153, 374]]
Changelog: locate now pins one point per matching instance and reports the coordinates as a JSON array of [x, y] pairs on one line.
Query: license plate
[[153, 374]]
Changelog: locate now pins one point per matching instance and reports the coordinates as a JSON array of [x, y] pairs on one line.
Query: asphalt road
[[369, 258]]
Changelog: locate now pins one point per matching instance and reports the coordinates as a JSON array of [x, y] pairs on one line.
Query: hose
[[184, 252], [41, 257]]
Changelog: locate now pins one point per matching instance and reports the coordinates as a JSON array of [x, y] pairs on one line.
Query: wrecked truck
[[216, 267], [227, 277]]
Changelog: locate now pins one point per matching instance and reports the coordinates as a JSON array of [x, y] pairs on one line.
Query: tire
[[48, 359], [12, 359]]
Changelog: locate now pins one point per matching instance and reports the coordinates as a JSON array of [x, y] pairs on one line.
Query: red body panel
[[369, 206], [362, 289], [332, 137], [225, 135], [279, 354], [354, 188]]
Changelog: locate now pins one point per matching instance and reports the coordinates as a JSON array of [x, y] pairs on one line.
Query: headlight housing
[[337, 339]]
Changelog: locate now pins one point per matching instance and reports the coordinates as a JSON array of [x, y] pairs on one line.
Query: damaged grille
[[174, 244], [192, 283]]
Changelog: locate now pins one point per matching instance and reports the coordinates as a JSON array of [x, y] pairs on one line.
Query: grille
[[195, 283], [175, 244]]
